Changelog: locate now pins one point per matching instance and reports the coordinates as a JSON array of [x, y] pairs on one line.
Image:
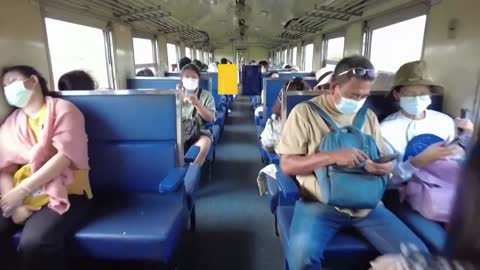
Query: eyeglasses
[[361, 72]]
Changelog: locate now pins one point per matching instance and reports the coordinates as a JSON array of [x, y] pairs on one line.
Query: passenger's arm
[[206, 114], [302, 165], [51, 169], [277, 108], [207, 111]]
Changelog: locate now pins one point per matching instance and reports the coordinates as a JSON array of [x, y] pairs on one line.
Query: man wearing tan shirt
[[314, 223]]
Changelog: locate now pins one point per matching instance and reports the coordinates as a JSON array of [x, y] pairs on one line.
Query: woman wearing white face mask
[[198, 110], [413, 89], [44, 179]]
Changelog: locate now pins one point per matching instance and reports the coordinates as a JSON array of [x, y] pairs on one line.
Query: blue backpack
[[352, 188]]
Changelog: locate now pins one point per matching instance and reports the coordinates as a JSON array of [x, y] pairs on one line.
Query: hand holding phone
[[386, 158]]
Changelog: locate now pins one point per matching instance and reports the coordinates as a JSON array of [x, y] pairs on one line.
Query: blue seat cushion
[[345, 245], [272, 188], [137, 226]]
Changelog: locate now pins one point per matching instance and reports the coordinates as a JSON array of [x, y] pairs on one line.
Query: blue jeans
[[314, 224], [432, 233]]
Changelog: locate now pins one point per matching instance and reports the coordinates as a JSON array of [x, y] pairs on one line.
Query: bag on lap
[[344, 187], [191, 127], [431, 191]]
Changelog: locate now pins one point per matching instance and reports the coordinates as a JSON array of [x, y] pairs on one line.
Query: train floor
[[234, 223]]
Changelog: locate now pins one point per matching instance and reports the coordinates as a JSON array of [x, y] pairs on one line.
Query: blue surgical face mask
[[17, 95], [349, 106], [415, 105]]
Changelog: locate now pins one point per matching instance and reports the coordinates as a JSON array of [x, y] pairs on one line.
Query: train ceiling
[[217, 23]]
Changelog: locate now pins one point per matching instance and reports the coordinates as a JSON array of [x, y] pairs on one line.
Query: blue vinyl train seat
[[140, 208], [283, 192]]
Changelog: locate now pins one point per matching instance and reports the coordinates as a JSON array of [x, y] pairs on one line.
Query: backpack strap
[[360, 118], [331, 124]]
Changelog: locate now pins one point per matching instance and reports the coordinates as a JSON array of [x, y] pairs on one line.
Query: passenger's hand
[[349, 158], [13, 199], [382, 169], [465, 124], [192, 100], [433, 153], [22, 213]]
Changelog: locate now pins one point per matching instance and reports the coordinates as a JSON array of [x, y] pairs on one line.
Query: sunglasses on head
[[361, 72]]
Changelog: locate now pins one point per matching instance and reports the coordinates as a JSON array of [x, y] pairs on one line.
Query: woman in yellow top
[[44, 182]]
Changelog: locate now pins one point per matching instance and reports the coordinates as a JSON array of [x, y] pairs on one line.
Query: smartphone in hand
[[386, 158]]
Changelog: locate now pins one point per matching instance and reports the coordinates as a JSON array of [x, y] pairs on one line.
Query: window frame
[[155, 51], [304, 51], [176, 53], [294, 55], [327, 37], [391, 19], [73, 18]]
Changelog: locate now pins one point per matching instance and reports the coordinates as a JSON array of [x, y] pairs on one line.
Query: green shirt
[[206, 99]]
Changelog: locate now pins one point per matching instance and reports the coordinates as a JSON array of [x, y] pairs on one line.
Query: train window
[[188, 52], [205, 58], [144, 54], [285, 57], [294, 56], [73, 46], [198, 56], [333, 51], [172, 55], [404, 38], [308, 57]]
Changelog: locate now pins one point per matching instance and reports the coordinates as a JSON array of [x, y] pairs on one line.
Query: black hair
[[198, 63], [297, 84], [192, 67], [288, 67], [146, 72], [464, 229], [264, 64], [28, 71], [76, 80], [253, 62], [347, 63], [204, 67], [183, 62], [224, 61]]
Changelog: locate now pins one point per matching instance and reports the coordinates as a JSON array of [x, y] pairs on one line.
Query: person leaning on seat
[[44, 179], [198, 105], [314, 223]]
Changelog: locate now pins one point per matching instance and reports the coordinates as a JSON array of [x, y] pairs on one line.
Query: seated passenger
[[264, 66], [146, 72], [76, 80], [259, 109], [44, 181], [413, 88], [198, 110], [323, 76], [183, 62], [273, 128], [224, 61], [297, 84], [315, 223], [463, 236]]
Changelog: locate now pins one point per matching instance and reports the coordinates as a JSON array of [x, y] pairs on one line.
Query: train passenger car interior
[[239, 134]]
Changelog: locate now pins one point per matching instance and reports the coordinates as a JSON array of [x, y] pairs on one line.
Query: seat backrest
[[172, 74], [383, 106], [205, 83], [214, 87], [272, 87], [150, 83], [133, 137], [291, 99], [377, 102]]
